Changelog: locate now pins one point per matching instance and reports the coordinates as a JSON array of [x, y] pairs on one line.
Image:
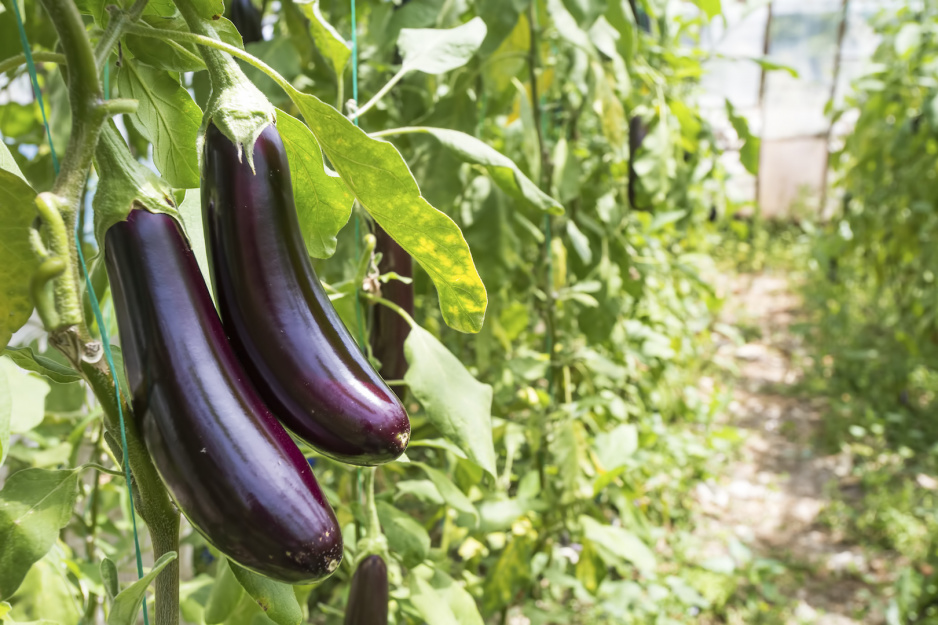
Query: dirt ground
[[771, 497]]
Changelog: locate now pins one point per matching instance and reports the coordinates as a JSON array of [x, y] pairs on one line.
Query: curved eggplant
[[247, 19], [296, 349], [389, 330], [368, 596], [229, 465]]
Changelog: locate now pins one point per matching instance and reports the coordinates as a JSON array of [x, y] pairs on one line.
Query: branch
[[15, 62], [119, 21]]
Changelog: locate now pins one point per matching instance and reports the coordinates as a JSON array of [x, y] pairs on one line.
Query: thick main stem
[[151, 498]]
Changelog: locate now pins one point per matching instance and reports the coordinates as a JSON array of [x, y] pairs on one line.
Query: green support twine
[[359, 315], [95, 306]]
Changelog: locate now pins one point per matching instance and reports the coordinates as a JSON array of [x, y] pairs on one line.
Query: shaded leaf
[[506, 174], [225, 596], [457, 404], [17, 212], [328, 41], [323, 202], [434, 608], [169, 119], [275, 598], [27, 359], [7, 163], [127, 602], [35, 504], [406, 537], [449, 491], [617, 543]]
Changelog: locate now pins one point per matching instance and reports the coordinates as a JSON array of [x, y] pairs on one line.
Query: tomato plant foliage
[[545, 166]]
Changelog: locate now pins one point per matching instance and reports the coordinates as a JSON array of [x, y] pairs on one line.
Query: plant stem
[[14, 62], [380, 300], [150, 496], [115, 28], [381, 93]]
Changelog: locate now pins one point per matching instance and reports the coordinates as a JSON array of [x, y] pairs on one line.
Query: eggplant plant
[[438, 286]]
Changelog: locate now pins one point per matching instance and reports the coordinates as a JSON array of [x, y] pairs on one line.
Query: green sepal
[[238, 109], [125, 185]]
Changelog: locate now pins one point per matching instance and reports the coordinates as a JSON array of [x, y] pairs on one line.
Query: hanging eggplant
[[229, 465], [281, 323]]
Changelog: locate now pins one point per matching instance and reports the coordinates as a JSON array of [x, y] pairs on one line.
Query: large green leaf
[[461, 603], [506, 174], [433, 607], [191, 212], [127, 602], [328, 41], [6, 411], [35, 504], [225, 596], [323, 202], [169, 119], [436, 51], [275, 598], [17, 212], [28, 395], [379, 178], [511, 572], [711, 8], [407, 538], [617, 543], [457, 404], [27, 359], [449, 491], [751, 151], [7, 163]]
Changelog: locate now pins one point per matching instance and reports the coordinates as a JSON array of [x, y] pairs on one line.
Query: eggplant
[[368, 596], [389, 330], [247, 19], [231, 468], [296, 349]]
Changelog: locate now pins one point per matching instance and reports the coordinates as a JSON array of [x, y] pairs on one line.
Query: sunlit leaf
[[330, 44], [436, 51], [127, 602]]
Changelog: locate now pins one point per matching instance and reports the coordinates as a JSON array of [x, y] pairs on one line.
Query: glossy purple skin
[[368, 595], [389, 330], [296, 349], [246, 17], [229, 465]]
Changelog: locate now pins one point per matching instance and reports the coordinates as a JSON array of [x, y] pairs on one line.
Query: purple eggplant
[[389, 330], [247, 18], [368, 596], [301, 357], [229, 465]]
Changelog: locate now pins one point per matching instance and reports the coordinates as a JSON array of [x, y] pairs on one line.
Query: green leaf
[[437, 51], [449, 491], [275, 598], [406, 538], [7, 163], [28, 397], [506, 174], [424, 490], [17, 212], [35, 504], [711, 8], [225, 596], [323, 202], [109, 578], [457, 404], [169, 119], [617, 543], [750, 152], [511, 572], [379, 178], [613, 448], [27, 359], [434, 608], [191, 212], [328, 41], [127, 602], [461, 603], [6, 410]]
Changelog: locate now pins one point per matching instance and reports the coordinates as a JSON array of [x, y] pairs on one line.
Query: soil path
[[771, 497]]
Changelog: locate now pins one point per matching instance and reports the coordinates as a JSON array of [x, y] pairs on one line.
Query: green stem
[[150, 496], [380, 300], [115, 28], [15, 62], [215, 44], [381, 93], [219, 65]]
